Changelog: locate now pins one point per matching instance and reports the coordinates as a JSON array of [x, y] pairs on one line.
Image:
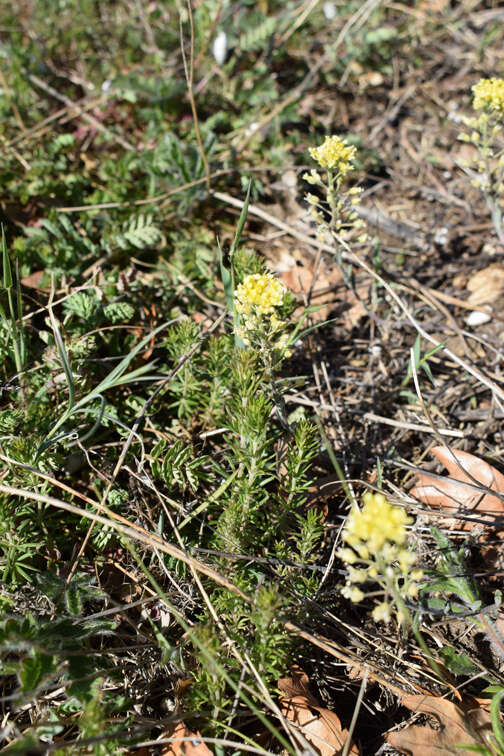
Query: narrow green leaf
[[416, 350], [241, 224], [457, 663], [7, 272], [227, 280], [73, 599], [63, 355], [495, 716]]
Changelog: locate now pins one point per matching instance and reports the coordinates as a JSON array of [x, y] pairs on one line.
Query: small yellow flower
[[357, 576], [347, 555], [489, 93], [382, 612], [354, 594], [413, 590], [377, 523], [260, 292], [406, 560], [334, 154]]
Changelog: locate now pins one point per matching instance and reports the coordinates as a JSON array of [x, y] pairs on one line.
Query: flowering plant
[[257, 301], [376, 539], [487, 168], [337, 158]]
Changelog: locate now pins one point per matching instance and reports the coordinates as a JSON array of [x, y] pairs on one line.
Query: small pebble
[[476, 318]]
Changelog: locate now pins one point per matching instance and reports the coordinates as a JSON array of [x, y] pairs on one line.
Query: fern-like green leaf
[[140, 233], [257, 37]]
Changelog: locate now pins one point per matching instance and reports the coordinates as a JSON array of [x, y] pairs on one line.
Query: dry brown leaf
[[451, 494], [487, 285], [319, 726], [296, 269], [34, 280], [464, 725], [193, 747]]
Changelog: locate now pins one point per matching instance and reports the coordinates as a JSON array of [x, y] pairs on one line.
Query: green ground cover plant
[[237, 241]]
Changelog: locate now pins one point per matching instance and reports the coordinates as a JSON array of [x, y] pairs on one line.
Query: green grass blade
[[63, 355], [6, 266]]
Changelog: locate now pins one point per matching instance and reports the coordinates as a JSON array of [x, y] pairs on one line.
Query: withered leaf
[[190, 743], [451, 493], [463, 725], [319, 726]]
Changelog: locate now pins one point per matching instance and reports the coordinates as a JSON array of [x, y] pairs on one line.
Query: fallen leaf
[[183, 747], [451, 493], [487, 285], [320, 727], [296, 269], [34, 280], [464, 725]]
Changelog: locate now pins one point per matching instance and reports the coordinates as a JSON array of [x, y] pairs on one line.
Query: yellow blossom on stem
[[489, 93], [376, 523], [261, 292], [376, 543], [260, 327], [382, 612], [354, 594], [334, 154]]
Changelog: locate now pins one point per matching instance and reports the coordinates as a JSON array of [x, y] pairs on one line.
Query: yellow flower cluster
[[334, 154], [489, 94], [377, 522], [255, 299], [376, 539], [484, 131], [259, 293]]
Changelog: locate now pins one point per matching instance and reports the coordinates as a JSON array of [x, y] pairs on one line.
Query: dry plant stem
[[289, 398], [135, 533], [136, 425], [358, 704], [303, 15], [238, 746], [150, 200], [130, 530], [63, 115], [189, 74]]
